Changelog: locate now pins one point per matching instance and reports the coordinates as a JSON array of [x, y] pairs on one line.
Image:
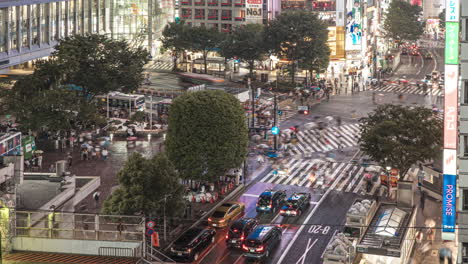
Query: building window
[[102, 14], [24, 26], [44, 10], [94, 15], [86, 16], [53, 21], [63, 18], [464, 251], [35, 24], [13, 28], [465, 92], [3, 29], [465, 199], [465, 146], [79, 17]]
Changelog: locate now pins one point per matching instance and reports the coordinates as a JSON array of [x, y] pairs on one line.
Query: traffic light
[[275, 130]]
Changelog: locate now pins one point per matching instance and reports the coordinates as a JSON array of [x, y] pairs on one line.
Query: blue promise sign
[[448, 205]]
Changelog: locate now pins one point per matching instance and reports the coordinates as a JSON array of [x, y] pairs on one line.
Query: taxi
[[225, 214]]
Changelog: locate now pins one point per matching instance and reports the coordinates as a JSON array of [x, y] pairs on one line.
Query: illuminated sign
[[253, 10], [450, 107], [450, 161], [354, 27], [449, 202], [452, 11], [451, 42]]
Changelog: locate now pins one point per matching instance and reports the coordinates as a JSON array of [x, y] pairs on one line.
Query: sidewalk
[[427, 251]]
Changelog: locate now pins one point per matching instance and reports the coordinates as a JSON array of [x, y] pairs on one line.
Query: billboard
[[452, 13], [336, 42], [449, 202], [450, 107], [253, 10], [450, 161], [451, 42], [354, 26]]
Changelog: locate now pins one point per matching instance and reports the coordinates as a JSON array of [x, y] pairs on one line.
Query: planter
[[226, 4]]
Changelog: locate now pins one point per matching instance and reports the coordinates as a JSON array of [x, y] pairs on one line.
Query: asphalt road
[[306, 237]]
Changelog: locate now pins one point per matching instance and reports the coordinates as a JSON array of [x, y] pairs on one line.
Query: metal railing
[[118, 252]]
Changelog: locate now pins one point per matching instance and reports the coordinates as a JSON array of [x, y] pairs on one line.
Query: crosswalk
[[409, 89], [161, 65], [332, 137], [342, 177]]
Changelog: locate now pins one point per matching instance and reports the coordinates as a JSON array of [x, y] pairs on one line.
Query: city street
[[306, 237]]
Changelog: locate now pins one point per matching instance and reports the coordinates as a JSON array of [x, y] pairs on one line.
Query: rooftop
[[387, 229]]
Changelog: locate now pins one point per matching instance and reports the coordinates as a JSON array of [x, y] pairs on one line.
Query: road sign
[[280, 112], [275, 130], [150, 224], [149, 232]]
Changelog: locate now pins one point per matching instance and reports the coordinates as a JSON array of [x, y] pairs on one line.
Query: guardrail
[[119, 252]]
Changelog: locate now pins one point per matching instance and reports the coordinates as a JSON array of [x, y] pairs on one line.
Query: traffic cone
[[193, 199], [203, 199], [155, 239]]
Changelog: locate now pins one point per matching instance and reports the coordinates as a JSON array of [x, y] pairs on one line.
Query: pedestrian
[[98, 152], [96, 196], [373, 97], [376, 196], [64, 143], [104, 154], [368, 185], [27, 164], [93, 154], [85, 154], [422, 200], [120, 229], [69, 160], [39, 162], [338, 121], [52, 168]]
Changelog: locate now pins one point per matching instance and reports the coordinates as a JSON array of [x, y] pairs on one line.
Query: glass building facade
[[30, 29]]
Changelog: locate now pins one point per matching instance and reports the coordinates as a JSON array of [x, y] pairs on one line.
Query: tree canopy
[[298, 36], [398, 136], [246, 43], [176, 36], [143, 183], [442, 19], [207, 134], [204, 40], [402, 21]]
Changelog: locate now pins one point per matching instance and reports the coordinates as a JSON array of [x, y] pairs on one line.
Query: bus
[[122, 102], [10, 144], [195, 78]]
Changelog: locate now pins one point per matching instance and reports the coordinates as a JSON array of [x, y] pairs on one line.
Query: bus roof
[[119, 95], [205, 77]]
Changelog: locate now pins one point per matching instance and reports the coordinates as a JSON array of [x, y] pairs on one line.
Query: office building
[[30, 29]]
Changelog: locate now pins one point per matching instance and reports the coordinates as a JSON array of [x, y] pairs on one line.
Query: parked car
[[270, 201], [240, 230], [261, 242], [225, 214], [296, 204], [192, 243]]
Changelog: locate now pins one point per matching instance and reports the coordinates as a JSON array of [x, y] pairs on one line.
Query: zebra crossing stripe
[[295, 180], [333, 176], [291, 173], [359, 180], [345, 172], [270, 176], [319, 164]]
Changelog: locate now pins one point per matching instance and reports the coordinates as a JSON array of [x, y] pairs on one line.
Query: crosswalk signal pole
[[253, 102], [275, 137]]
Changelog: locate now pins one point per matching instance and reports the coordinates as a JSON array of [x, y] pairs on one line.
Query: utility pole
[[275, 109], [253, 103]]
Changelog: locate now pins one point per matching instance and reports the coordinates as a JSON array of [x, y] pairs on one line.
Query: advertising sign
[[450, 161], [253, 10], [354, 26], [449, 202], [453, 11], [451, 42], [450, 106]]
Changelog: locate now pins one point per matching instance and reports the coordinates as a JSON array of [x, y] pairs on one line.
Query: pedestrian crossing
[[317, 173], [161, 65], [409, 89], [331, 138]]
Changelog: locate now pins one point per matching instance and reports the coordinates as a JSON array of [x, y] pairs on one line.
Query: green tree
[[402, 21], [176, 37], [442, 19], [143, 183], [204, 40], [296, 36], [398, 136], [138, 117], [316, 61], [99, 64], [207, 135], [246, 43]]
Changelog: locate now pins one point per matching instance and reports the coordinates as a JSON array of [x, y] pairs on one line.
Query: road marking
[[285, 252], [308, 248], [313, 202], [323, 253], [250, 195], [422, 66]]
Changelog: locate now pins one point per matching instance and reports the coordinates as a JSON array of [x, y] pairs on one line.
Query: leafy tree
[[176, 36], [398, 136], [246, 43], [402, 21], [442, 19], [297, 35], [99, 64], [316, 61], [207, 134], [204, 40], [138, 117], [143, 185]]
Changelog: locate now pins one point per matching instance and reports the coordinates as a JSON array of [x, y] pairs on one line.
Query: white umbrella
[[310, 125], [329, 118], [372, 168], [262, 146], [330, 159], [287, 131], [256, 137]]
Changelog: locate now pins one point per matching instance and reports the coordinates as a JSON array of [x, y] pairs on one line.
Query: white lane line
[[285, 252], [323, 253], [250, 195], [308, 248]]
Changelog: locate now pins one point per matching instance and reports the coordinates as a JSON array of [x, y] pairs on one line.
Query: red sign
[[150, 224], [450, 107], [254, 2]]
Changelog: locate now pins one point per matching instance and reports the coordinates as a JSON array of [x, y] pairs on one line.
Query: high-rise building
[[30, 29]]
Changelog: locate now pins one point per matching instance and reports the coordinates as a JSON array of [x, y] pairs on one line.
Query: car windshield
[[264, 200], [292, 203], [252, 243], [218, 214]]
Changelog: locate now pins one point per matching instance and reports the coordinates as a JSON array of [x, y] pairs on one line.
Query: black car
[[239, 230], [262, 240], [191, 244], [296, 204], [270, 201]]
